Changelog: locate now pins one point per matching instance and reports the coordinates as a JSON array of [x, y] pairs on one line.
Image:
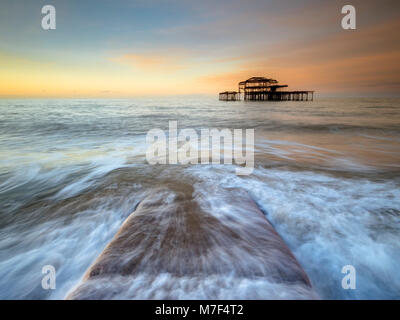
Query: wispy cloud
[[152, 62], [368, 58], [198, 46]]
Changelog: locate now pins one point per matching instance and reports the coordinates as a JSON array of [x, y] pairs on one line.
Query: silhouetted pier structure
[[229, 96], [265, 89]]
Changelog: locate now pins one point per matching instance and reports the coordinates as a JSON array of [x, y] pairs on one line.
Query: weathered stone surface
[[171, 247]]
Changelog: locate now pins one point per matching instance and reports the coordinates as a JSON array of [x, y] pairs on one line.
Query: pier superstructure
[[265, 89]]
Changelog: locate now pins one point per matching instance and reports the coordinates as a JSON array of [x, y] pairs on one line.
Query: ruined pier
[[265, 89]]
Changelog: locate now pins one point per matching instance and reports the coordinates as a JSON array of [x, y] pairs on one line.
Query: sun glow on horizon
[[151, 50]]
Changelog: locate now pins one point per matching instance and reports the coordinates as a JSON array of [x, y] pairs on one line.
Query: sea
[[326, 175]]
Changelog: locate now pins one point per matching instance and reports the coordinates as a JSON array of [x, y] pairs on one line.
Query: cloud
[[345, 61], [206, 46], [152, 62]]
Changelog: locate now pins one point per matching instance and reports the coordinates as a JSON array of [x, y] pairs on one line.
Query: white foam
[[328, 222]]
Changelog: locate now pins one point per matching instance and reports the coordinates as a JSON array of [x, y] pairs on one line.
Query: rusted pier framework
[[280, 96], [265, 89], [229, 96]]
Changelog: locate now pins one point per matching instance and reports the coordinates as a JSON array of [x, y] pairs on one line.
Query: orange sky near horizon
[[209, 50]]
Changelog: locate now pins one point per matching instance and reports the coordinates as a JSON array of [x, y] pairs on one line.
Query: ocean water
[[327, 176]]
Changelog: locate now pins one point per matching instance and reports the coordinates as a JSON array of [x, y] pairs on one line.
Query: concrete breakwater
[[173, 247]]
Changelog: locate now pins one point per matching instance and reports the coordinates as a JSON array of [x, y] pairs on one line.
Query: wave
[[172, 247], [328, 222]]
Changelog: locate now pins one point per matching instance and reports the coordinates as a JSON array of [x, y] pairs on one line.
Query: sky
[[127, 48]]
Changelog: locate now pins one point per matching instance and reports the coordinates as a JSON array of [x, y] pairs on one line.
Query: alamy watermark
[[349, 280], [186, 147], [49, 279], [49, 20], [349, 20]]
